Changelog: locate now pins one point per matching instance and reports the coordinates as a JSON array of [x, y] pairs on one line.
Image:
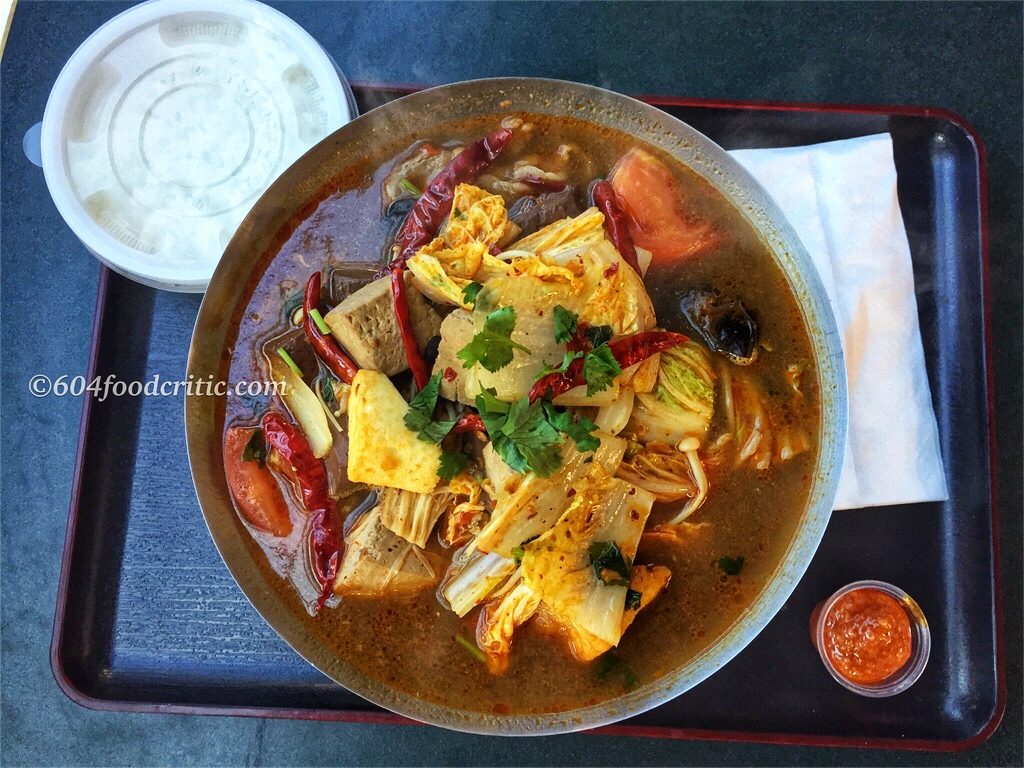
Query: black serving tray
[[149, 619]]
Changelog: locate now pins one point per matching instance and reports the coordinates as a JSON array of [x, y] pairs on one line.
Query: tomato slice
[[660, 219], [253, 487]]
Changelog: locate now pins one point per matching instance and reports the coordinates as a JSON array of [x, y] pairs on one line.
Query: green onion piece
[[319, 320], [256, 449], [609, 662], [288, 359], [731, 566], [408, 186], [470, 647], [518, 553]]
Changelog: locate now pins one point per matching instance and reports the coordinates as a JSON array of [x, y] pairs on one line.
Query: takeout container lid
[[169, 122]]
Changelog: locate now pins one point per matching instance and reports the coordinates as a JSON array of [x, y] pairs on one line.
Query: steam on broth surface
[[706, 447]]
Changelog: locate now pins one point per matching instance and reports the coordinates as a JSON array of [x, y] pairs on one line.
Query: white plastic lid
[[171, 119]]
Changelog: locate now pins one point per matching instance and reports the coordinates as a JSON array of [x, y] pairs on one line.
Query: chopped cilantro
[[510, 454], [598, 334], [256, 448], [293, 303], [566, 323], [599, 369], [610, 662], [520, 434], [493, 346], [599, 364], [532, 437], [528, 436], [567, 359], [457, 214], [608, 563], [731, 565], [436, 431], [421, 407], [469, 293], [490, 407], [453, 463], [420, 416], [629, 680], [606, 662], [581, 429], [633, 599], [327, 390]]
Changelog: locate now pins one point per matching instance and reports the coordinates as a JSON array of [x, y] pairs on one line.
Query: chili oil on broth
[[409, 643]]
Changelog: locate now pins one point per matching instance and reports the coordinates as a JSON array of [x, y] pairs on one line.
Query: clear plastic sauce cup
[[826, 618]]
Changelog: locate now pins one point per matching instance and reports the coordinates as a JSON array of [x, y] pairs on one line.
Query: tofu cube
[[381, 449], [366, 326]]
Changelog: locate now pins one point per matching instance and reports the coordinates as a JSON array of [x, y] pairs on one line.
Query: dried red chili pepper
[[469, 422], [427, 215], [615, 224], [311, 477], [419, 367], [326, 348], [285, 438], [423, 222], [325, 544], [637, 347], [628, 350]]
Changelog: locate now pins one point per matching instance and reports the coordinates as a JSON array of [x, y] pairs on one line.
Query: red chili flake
[[612, 269], [450, 374]]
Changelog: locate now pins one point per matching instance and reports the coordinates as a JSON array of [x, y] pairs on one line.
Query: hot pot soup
[[547, 414]]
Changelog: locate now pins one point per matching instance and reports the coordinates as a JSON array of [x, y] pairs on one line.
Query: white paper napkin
[[841, 199]]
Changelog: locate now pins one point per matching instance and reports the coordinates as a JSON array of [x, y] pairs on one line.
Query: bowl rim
[[499, 96]]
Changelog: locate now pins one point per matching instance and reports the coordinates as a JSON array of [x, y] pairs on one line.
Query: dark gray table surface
[[963, 57]]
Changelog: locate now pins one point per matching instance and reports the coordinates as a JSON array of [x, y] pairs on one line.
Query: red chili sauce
[[867, 636]]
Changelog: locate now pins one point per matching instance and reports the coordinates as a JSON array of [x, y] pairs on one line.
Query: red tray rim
[[80, 697]]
